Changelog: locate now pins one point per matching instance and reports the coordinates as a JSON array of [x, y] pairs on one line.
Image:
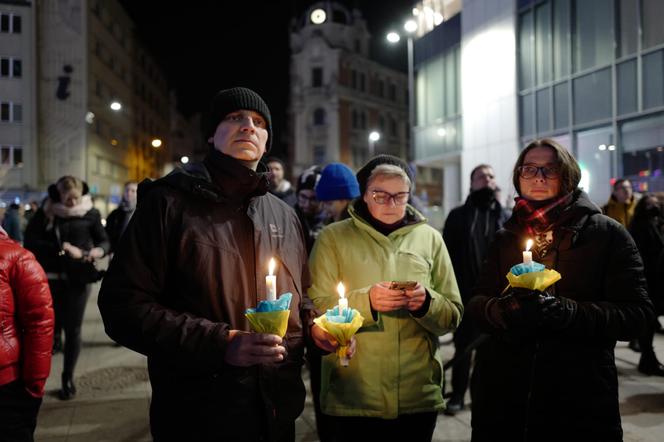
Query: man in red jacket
[[26, 325]]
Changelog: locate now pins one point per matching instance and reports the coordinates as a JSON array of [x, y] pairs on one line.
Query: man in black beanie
[[194, 258]]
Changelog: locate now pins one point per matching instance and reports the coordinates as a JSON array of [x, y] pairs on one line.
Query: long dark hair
[[641, 215], [570, 172]]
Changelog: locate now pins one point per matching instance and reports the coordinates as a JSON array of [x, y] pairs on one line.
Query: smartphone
[[403, 285]]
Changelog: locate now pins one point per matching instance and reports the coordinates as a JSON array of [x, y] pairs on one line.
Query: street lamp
[[116, 106], [410, 27], [156, 143], [184, 159], [373, 137]]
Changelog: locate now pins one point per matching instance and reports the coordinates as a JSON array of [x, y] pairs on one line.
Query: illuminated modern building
[[499, 73]]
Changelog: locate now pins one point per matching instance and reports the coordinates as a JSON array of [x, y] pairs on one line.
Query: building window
[[593, 35], [10, 23], [354, 119], [317, 77], [11, 156], [393, 127], [319, 154], [653, 31], [381, 123], [392, 92], [362, 82], [363, 120], [381, 88], [10, 67], [11, 112], [319, 117]]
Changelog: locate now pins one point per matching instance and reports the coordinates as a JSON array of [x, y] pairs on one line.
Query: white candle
[[527, 254], [271, 282], [343, 301]]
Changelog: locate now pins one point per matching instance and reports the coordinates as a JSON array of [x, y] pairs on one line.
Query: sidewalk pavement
[[114, 394]]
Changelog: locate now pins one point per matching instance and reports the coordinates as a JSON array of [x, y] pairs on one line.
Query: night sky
[[206, 46]]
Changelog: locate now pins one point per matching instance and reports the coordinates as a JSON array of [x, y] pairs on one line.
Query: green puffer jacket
[[397, 366]]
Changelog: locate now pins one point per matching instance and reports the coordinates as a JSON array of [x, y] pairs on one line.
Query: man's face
[[623, 192], [277, 171], [130, 193], [306, 199], [482, 178], [242, 135]]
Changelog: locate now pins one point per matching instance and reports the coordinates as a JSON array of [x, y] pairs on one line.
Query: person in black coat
[[547, 370], [118, 219], [647, 229], [468, 231], [66, 236]]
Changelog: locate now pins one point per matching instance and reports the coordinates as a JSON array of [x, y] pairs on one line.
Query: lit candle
[[271, 282], [527, 254], [343, 301]]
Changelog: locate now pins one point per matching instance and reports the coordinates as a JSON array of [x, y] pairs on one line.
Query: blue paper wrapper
[[282, 303], [522, 268], [334, 316]]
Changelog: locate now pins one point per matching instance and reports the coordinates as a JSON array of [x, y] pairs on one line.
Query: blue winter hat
[[337, 182]]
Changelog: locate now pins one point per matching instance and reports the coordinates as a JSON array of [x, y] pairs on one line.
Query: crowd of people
[[189, 252]]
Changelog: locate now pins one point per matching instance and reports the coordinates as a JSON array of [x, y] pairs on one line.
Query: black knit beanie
[[365, 172], [231, 100]]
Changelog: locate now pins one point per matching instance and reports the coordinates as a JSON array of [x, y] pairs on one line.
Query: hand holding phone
[[403, 285]]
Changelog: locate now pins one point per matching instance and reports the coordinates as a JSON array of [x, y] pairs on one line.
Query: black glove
[[517, 308], [557, 312]]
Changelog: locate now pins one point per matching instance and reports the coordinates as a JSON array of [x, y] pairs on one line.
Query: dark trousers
[[69, 301], [18, 413], [314, 359], [463, 337], [417, 427]]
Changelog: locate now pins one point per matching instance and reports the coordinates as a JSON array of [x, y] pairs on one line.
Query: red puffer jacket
[[26, 318]]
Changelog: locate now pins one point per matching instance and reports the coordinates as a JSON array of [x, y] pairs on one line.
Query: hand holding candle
[[527, 254], [271, 282], [343, 301]]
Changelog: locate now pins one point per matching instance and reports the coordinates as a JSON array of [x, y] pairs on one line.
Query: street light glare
[[184, 159], [156, 142], [374, 136], [393, 37], [441, 132], [116, 106], [410, 26]]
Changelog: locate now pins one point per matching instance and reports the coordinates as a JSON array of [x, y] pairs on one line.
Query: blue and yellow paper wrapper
[[341, 327], [270, 316], [533, 276]]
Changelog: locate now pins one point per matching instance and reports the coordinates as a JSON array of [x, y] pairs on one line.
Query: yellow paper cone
[[534, 280], [274, 323]]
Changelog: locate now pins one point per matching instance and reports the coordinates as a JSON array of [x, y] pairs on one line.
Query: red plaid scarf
[[540, 216]]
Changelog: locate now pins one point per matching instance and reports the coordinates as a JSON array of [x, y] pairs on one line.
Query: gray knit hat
[[231, 100]]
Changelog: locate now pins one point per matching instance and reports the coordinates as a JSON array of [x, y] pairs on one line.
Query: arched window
[[319, 117]]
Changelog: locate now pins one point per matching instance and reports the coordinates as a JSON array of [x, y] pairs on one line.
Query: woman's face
[[71, 197], [545, 182], [392, 192]]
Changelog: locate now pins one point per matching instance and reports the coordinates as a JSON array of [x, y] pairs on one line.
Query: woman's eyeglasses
[[528, 172], [399, 199]]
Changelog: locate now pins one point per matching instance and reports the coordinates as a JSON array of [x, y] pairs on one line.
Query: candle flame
[[341, 289], [271, 266], [529, 244]]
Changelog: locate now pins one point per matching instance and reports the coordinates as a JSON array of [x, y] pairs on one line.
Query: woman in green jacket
[[393, 383]]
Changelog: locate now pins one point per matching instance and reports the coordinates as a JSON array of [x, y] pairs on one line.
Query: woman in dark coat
[[66, 234], [647, 229], [547, 370]]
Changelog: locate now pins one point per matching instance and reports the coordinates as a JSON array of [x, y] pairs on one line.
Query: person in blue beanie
[[336, 188]]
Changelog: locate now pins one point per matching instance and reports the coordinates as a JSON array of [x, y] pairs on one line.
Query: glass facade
[[438, 105], [591, 72]]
